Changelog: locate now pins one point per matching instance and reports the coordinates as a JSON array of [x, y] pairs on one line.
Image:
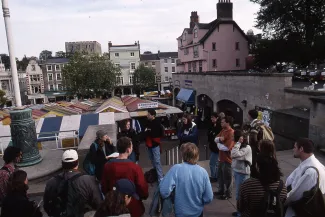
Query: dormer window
[[195, 33], [184, 36]]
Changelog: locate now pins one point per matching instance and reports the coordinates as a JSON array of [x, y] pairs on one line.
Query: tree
[[5, 60], [23, 63], [143, 78], [45, 54], [3, 99], [89, 75], [60, 54]]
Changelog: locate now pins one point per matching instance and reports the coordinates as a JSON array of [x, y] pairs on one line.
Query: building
[[52, 77], [90, 47], [220, 45], [164, 64], [127, 57], [35, 83]]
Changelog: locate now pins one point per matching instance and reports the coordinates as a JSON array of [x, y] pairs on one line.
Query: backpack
[[65, 200], [88, 166], [151, 176], [263, 132], [271, 205]]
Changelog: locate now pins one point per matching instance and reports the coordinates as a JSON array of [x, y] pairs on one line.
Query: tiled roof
[[168, 54], [114, 104], [189, 30], [56, 60], [146, 57]]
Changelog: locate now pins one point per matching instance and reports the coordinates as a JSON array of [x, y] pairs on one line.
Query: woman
[[252, 191], [126, 131], [267, 147], [188, 132], [16, 203]]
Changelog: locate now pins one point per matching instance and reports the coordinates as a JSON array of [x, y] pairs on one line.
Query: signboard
[[188, 83], [148, 105]]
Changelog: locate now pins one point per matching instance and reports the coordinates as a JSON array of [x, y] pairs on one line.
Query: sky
[[47, 24]]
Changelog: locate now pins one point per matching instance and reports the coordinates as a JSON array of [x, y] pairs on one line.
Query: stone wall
[[300, 97], [317, 122]]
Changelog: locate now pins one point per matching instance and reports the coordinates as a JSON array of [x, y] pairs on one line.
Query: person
[[190, 184], [213, 131], [11, 156], [188, 132], [117, 200], [16, 203], [128, 132], [241, 156], [153, 135], [252, 191], [267, 147], [83, 191], [303, 179], [100, 151], [123, 168], [225, 141]]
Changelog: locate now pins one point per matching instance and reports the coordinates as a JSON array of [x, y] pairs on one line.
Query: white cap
[[70, 156]]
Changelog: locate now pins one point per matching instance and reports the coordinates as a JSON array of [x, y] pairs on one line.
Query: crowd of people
[[117, 185]]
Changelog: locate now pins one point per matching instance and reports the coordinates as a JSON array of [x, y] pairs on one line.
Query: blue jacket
[[188, 135]]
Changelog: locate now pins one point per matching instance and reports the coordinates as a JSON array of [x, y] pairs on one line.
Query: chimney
[[193, 19], [109, 44], [224, 10]]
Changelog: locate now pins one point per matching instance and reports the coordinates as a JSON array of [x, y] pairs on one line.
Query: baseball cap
[[70, 156], [100, 134], [127, 187]]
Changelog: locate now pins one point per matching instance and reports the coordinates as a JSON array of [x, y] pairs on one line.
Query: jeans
[[214, 157], [154, 156], [239, 179], [225, 178], [132, 157]]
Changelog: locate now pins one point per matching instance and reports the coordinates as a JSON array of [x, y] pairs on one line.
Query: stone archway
[[232, 109], [127, 91], [205, 109]]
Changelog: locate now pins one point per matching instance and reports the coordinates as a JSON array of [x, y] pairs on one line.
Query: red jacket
[[125, 169]]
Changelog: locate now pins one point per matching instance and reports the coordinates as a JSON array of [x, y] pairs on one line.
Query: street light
[[6, 15], [208, 59]]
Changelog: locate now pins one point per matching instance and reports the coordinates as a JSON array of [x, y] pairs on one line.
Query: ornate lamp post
[[23, 132]]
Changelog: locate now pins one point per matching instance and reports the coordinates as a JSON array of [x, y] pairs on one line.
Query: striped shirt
[[252, 194]]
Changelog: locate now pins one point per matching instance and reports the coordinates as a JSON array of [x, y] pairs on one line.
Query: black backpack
[[271, 204], [151, 176], [65, 200]]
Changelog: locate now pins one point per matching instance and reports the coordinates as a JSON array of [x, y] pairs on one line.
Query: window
[[33, 68], [132, 54], [119, 80], [173, 69], [184, 36], [214, 63], [117, 64], [49, 68], [146, 63], [237, 62], [189, 66], [237, 46], [194, 66], [213, 46], [166, 60], [57, 68], [195, 33], [117, 54], [35, 77], [58, 77], [173, 60], [50, 77], [60, 87], [196, 51], [131, 79], [166, 69], [153, 63], [186, 51], [166, 78], [200, 66], [132, 66], [51, 87]]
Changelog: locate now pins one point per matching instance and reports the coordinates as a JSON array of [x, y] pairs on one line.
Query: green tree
[[143, 78], [23, 63], [45, 54], [60, 54], [5, 60], [3, 99], [89, 75]]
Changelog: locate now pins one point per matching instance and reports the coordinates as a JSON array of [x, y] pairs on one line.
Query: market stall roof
[[160, 112], [134, 103], [114, 104]]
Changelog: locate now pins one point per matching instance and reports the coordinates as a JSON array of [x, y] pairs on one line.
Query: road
[[302, 84]]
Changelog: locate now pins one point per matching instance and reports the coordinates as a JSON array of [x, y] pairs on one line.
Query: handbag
[[312, 203]]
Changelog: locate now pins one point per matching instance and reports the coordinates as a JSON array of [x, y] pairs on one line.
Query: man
[[213, 131], [191, 181], [303, 179], [100, 151], [81, 193], [123, 168], [225, 141], [11, 156], [153, 134]]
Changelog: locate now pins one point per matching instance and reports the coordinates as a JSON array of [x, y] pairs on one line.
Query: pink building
[[220, 45]]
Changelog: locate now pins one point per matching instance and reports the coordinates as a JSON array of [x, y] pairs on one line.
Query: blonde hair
[[190, 153]]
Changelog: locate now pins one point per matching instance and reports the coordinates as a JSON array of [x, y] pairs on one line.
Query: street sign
[[147, 105]]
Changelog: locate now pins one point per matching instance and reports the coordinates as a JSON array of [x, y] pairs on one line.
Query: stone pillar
[[23, 134]]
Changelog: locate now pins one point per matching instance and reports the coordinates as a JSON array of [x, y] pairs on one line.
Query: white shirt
[[221, 147], [304, 182]]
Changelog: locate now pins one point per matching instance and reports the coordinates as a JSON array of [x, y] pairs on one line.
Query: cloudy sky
[[46, 24]]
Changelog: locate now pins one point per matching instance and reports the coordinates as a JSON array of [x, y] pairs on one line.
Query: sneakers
[[224, 197]]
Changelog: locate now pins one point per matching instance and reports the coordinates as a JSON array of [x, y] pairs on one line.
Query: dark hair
[[69, 165], [215, 115], [253, 113], [152, 112], [123, 144], [267, 148], [237, 135], [306, 144], [10, 154], [268, 168], [188, 117], [114, 205], [17, 182], [124, 123], [229, 120]]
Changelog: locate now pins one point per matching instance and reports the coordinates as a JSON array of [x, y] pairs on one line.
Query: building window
[[117, 54], [153, 63], [165, 60], [195, 33], [194, 66], [57, 68], [214, 63], [146, 63], [49, 68], [33, 68], [166, 69], [119, 80], [35, 77], [189, 66], [186, 51], [213, 46], [237, 46], [131, 79], [132, 66], [58, 77], [200, 66], [184, 36], [173, 69], [237, 62], [51, 87], [60, 87], [50, 77], [117, 64], [196, 51], [173, 60], [132, 54], [166, 79]]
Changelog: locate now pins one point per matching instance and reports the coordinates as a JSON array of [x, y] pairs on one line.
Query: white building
[[35, 83]]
